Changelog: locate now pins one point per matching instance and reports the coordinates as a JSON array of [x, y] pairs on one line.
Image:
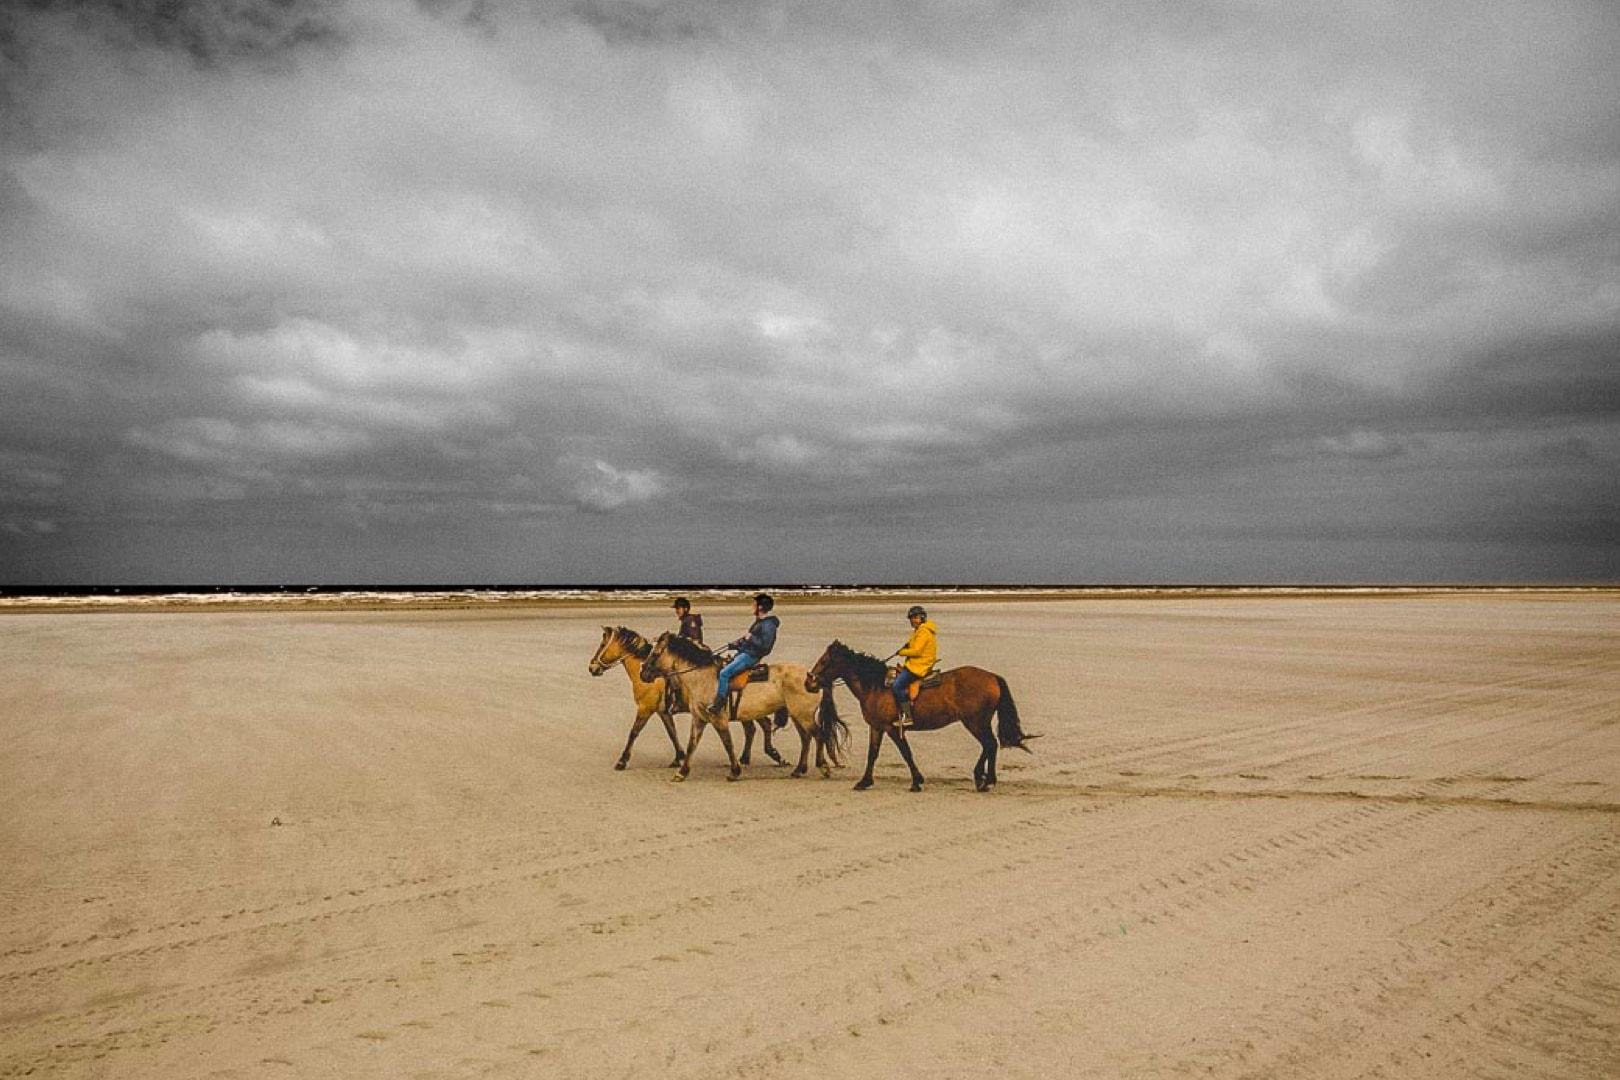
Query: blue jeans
[[901, 682], [739, 663]]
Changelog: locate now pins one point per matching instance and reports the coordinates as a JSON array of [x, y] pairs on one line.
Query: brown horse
[[968, 695], [696, 670], [621, 645]]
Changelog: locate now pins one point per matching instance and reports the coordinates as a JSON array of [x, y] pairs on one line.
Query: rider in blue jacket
[[751, 648]]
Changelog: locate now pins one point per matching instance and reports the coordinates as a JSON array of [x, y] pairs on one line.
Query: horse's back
[[970, 683]]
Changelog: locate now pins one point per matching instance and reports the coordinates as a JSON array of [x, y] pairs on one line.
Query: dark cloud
[[471, 289]]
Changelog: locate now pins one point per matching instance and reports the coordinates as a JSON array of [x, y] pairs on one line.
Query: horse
[[621, 645], [968, 695], [696, 670]]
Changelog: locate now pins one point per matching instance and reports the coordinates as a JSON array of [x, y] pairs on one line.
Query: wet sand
[[1314, 837]]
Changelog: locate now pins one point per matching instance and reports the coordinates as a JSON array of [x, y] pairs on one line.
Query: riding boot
[[905, 716]]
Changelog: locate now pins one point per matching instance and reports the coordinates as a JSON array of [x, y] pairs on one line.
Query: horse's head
[[827, 670], [603, 659], [655, 664], [617, 644]]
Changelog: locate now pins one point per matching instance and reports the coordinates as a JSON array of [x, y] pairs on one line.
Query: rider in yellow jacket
[[920, 651]]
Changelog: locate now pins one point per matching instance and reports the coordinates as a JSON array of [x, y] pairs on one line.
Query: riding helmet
[[916, 610]]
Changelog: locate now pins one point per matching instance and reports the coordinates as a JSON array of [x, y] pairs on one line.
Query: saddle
[[757, 673], [927, 682]]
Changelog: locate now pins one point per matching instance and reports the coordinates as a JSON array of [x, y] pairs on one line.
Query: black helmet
[[682, 602], [916, 610], [764, 601]]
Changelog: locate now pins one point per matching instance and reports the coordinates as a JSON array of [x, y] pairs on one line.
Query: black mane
[[688, 651], [867, 667], [632, 642]]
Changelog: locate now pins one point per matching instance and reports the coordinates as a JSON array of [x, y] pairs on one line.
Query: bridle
[[647, 655], [640, 652]]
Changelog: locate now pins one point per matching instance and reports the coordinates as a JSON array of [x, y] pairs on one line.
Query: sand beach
[[1261, 836]]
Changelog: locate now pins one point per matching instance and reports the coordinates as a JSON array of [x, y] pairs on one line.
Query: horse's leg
[[691, 749], [765, 725], [994, 748], [748, 742], [821, 760], [724, 728], [674, 739], [635, 729], [804, 751], [874, 744], [904, 746], [984, 770]]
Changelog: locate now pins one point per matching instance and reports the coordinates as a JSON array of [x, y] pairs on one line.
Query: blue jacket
[[761, 638]]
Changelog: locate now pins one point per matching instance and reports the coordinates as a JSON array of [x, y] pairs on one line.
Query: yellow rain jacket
[[922, 648]]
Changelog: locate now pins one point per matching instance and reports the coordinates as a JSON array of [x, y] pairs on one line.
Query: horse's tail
[[1008, 730], [831, 731]]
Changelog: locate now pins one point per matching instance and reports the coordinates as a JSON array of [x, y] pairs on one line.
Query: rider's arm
[[912, 647]]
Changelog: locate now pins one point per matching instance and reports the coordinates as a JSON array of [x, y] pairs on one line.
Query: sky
[[394, 291]]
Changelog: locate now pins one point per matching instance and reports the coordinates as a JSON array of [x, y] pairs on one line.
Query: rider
[[751, 648], [691, 625], [921, 651]]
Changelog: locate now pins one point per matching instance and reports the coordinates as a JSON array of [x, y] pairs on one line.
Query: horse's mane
[[632, 642], [688, 651], [867, 666]]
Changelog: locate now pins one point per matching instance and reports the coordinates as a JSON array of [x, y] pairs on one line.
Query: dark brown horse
[[966, 695]]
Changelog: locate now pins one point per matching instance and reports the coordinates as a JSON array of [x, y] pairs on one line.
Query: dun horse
[[697, 670], [624, 646], [968, 695]]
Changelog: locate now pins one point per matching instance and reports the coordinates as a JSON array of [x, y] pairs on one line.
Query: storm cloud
[[382, 291]]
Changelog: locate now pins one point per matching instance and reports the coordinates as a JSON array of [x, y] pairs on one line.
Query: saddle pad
[[757, 673]]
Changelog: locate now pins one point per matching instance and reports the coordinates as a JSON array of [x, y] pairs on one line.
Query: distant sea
[[79, 597]]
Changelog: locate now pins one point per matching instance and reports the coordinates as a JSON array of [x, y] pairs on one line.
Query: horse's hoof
[[678, 778], [916, 787], [735, 774], [826, 774], [797, 774], [862, 785], [620, 764]]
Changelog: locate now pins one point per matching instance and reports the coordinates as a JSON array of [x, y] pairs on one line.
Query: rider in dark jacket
[[751, 648], [691, 624]]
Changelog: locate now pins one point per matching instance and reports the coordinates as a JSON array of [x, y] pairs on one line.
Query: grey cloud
[[541, 270], [1361, 443]]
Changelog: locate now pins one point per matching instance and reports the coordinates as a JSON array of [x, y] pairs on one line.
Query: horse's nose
[[595, 671]]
